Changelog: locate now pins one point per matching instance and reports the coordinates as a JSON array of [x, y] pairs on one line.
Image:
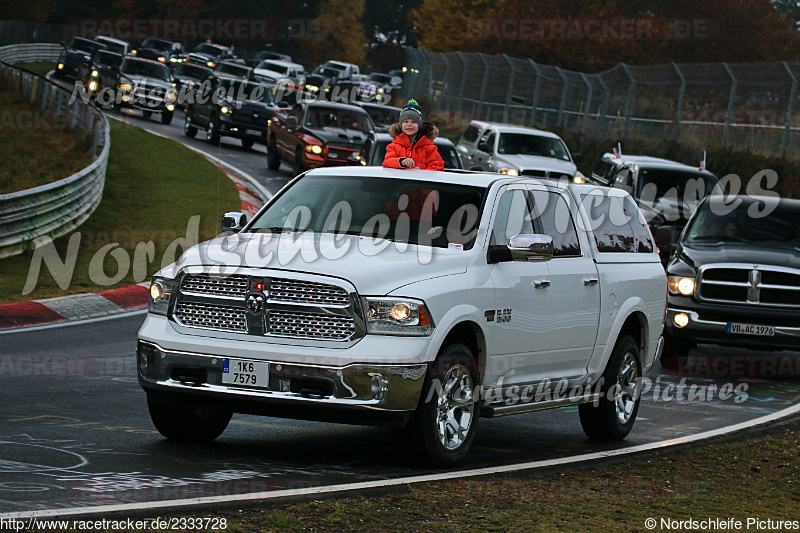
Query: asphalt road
[[75, 432]]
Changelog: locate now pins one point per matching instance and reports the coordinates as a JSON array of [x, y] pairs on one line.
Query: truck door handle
[[590, 281], [541, 283]]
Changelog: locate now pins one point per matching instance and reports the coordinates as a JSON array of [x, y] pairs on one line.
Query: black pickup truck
[[77, 51], [148, 86], [735, 276]]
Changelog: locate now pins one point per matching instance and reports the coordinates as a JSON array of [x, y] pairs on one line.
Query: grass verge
[[36, 146], [749, 478], [154, 186], [39, 67]]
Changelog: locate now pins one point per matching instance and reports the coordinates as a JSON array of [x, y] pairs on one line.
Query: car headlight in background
[[126, 86], [211, 64], [578, 179], [134, 52], [92, 85], [160, 293], [397, 316], [509, 171], [95, 73], [225, 110], [171, 96], [61, 66], [681, 285], [314, 148], [161, 59]]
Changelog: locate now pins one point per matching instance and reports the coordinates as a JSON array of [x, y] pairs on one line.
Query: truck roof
[[514, 128], [655, 162]]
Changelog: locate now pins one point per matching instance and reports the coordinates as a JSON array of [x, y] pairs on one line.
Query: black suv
[[77, 51], [735, 276], [167, 52], [100, 71], [188, 78], [146, 85], [231, 108], [666, 191], [211, 55]]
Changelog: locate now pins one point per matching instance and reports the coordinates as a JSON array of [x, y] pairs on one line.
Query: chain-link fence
[[751, 106]]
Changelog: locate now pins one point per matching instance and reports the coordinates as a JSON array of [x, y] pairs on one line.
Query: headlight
[[224, 110], [126, 86], [578, 179], [95, 73], [161, 59], [160, 292], [211, 64], [681, 285], [61, 66], [171, 96], [314, 148], [509, 171], [397, 316], [312, 88], [133, 52], [92, 85]]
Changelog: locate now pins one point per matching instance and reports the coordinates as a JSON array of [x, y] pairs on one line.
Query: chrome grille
[[230, 286], [296, 291], [744, 284], [310, 325], [219, 317]]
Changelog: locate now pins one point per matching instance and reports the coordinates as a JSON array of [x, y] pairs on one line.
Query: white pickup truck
[[414, 299]]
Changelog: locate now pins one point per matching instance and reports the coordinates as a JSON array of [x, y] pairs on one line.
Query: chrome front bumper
[[383, 388]]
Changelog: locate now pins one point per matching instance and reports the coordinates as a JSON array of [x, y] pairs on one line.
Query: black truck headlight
[[160, 293], [397, 316], [681, 285]]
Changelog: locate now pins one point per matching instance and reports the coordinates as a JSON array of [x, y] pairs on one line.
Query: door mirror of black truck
[[531, 247], [484, 147], [233, 221]]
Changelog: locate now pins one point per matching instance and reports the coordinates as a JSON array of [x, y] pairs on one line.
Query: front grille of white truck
[[267, 306]]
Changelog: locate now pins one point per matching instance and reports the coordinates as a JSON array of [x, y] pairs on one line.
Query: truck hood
[[699, 255], [350, 258], [342, 137], [533, 162]]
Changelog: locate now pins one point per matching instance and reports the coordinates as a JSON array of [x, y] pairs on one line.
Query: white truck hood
[[523, 162], [350, 257]]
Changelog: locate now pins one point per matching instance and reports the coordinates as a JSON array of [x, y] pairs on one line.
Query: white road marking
[[28, 329], [365, 485]]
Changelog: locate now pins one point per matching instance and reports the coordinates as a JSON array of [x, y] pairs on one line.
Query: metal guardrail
[[51, 210]]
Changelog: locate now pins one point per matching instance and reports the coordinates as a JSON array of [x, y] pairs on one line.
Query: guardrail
[[55, 209]]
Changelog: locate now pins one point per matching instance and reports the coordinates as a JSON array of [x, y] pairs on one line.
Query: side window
[[607, 219], [643, 239], [470, 134], [512, 216], [556, 221], [485, 136], [490, 141], [623, 179]]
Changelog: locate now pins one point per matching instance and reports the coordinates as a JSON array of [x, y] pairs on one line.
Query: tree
[[791, 9], [338, 33]]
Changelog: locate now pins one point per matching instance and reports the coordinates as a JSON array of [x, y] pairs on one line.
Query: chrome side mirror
[[233, 221], [531, 247]]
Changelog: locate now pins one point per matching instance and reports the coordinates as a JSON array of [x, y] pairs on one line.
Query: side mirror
[[291, 123], [577, 158], [666, 236], [483, 147], [354, 160], [531, 247], [233, 221]]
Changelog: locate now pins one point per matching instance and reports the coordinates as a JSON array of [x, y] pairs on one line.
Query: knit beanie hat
[[413, 111]]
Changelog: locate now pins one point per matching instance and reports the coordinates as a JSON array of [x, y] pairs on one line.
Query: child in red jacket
[[413, 146]]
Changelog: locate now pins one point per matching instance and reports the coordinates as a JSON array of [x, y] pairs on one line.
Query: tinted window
[[156, 44], [470, 134], [383, 115], [85, 46], [145, 68], [555, 220], [616, 224], [449, 156], [108, 59], [329, 117], [114, 47], [274, 67], [526, 144], [654, 184], [512, 216]]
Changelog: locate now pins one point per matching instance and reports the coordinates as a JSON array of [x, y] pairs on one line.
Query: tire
[[147, 114], [273, 158], [247, 143], [188, 424], [441, 430], [166, 117], [612, 419], [189, 130], [212, 132], [299, 168], [675, 347]]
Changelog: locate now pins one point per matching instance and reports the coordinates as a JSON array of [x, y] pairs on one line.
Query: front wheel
[[212, 133], [299, 167], [189, 130], [188, 423], [273, 158], [444, 425], [247, 144], [166, 117], [615, 412]]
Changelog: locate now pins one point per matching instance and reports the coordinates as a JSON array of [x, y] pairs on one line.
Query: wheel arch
[[469, 333]]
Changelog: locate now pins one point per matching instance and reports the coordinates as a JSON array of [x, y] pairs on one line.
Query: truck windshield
[[654, 184], [717, 222], [157, 44], [330, 117], [85, 46], [146, 69], [525, 144], [418, 212]]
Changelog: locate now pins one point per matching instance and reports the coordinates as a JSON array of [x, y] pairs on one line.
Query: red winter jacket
[[424, 152]]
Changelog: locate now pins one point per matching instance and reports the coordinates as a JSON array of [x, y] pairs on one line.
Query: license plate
[[245, 373], [255, 133], [334, 155], [751, 329]]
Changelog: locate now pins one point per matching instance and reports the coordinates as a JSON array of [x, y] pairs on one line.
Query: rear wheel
[[273, 159], [443, 427], [299, 167], [166, 117], [613, 416], [188, 423], [188, 129]]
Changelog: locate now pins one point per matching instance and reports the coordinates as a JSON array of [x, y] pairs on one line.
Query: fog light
[[380, 386], [92, 85], [124, 97], [170, 107], [681, 320]]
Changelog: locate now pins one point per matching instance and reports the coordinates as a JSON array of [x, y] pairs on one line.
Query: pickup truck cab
[[330, 73], [415, 299]]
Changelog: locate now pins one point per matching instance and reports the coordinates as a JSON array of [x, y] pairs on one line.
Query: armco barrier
[[57, 208]]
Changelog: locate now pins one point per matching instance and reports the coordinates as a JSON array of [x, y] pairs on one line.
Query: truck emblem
[[255, 302]]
